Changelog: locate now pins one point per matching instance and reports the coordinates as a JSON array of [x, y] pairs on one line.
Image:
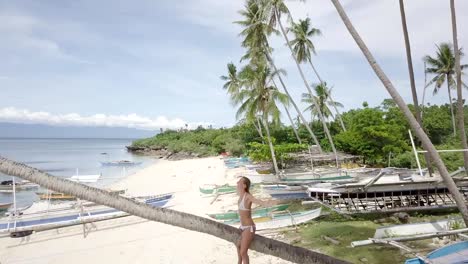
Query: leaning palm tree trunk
[[292, 124], [270, 144], [451, 107], [338, 114], [426, 142], [461, 114], [304, 121], [289, 117], [411, 75], [258, 128], [320, 114], [162, 215]]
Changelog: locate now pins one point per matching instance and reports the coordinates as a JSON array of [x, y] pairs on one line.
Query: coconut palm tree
[[232, 86], [167, 216], [426, 142], [257, 97], [323, 94], [255, 32], [443, 67], [276, 8], [304, 48], [460, 112], [414, 94]]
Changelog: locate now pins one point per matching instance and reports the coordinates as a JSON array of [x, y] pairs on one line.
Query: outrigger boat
[[120, 163], [262, 212], [452, 254], [5, 206], [56, 196], [7, 186], [216, 189], [24, 224], [391, 189], [282, 219]]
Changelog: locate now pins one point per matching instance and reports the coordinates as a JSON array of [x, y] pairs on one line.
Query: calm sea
[[64, 157]]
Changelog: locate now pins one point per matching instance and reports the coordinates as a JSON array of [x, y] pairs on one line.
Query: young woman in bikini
[[247, 224]]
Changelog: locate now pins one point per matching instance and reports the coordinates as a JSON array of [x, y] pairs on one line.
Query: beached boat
[[25, 224], [120, 163], [85, 178], [282, 220], [216, 189], [7, 186], [56, 196], [282, 191], [5, 206], [334, 179], [233, 215], [389, 190], [452, 254]]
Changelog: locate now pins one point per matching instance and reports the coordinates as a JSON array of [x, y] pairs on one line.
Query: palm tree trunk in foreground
[[411, 75], [324, 123], [461, 114], [426, 142], [187, 221]]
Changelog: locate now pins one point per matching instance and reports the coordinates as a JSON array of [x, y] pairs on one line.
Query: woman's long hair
[[247, 183]]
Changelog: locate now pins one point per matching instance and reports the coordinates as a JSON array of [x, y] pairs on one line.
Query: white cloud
[[27, 33], [14, 115]]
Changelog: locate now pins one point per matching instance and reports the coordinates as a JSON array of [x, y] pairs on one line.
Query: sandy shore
[[135, 240]]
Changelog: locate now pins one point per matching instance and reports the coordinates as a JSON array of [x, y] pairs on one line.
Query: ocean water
[[66, 157]]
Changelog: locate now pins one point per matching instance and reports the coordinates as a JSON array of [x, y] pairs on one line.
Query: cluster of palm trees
[[254, 88]]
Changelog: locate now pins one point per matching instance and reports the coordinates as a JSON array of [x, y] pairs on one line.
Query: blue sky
[[149, 64]]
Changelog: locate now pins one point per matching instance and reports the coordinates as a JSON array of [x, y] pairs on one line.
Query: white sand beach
[[135, 240]]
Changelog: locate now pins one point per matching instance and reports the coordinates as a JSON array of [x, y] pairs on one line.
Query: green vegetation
[[372, 133], [338, 228]]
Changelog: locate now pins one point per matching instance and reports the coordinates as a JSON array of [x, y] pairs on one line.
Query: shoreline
[[135, 240]]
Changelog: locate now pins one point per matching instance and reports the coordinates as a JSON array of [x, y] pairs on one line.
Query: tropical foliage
[[374, 133]]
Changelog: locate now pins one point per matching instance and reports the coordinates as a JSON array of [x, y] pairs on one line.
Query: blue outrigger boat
[[24, 225], [453, 254]]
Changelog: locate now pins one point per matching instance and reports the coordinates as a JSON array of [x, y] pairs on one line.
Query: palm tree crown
[[323, 93], [302, 44], [443, 66], [232, 84]]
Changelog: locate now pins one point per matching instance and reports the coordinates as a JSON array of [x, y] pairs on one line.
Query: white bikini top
[[242, 204]]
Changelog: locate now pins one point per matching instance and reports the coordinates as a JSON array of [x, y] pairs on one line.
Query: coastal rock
[[162, 153]]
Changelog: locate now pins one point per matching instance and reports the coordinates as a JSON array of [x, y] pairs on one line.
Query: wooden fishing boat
[[282, 220], [216, 189], [21, 185], [282, 191], [25, 224], [56, 196], [5, 206], [452, 254], [120, 163], [388, 191], [232, 215]]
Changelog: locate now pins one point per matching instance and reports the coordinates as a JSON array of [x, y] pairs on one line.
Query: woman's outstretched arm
[[262, 202]]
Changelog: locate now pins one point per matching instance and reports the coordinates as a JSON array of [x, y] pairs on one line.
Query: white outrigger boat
[[7, 186], [284, 219], [120, 163], [23, 224]]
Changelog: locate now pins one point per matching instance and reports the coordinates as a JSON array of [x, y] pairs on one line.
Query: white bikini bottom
[[252, 228]]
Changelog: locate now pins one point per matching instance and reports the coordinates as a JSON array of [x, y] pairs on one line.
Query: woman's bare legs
[[246, 239]]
